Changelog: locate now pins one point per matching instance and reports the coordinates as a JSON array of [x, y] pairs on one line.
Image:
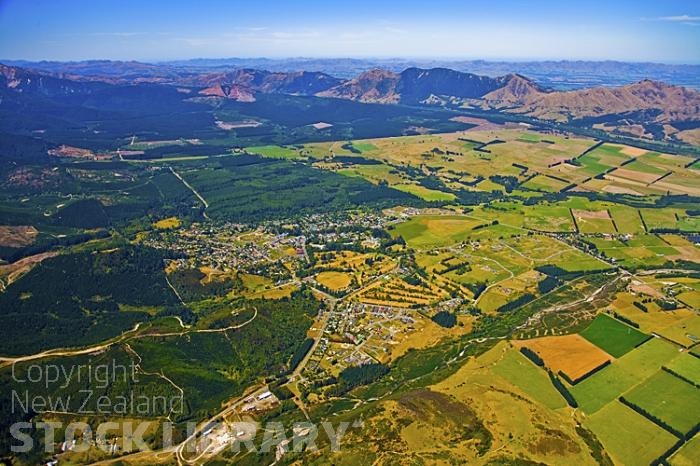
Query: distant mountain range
[[559, 75], [650, 109]]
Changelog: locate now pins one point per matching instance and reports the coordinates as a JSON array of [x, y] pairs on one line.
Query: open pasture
[[426, 231], [455, 152], [669, 324], [521, 372], [335, 281], [545, 183], [670, 399], [685, 331], [425, 193], [627, 219], [629, 437], [602, 159], [684, 182], [631, 369], [589, 221], [640, 251], [686, 366], [509, 290], [277, 152]]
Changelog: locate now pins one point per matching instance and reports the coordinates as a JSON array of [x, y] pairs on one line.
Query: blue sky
[[151, 30]]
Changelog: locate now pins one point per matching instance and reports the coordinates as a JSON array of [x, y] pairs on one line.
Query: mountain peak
[[517, 89]]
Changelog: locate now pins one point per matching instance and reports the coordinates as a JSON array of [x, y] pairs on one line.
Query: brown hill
[[246, 82], [668, 103], [378, 86], [414, 86], [516, 91]]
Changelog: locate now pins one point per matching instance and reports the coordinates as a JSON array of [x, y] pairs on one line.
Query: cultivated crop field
[[571, 354]]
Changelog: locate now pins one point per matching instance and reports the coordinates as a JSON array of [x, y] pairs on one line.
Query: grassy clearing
[[545, 183], [277, 152], [425, 193], [334, 280], [364, 146], [670, 399], [167, 223], [627, 436], [428, 231], [613, 336]]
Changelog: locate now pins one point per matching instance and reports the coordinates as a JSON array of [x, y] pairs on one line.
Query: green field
[[425, 231], [605, 386], [640, 166], [278, 152], [629, 437], [364, 146], [521, 372], [686, 366], [612, 336], [425, 193], [545, 183], [626, 219], [601, 159], [670, 399]]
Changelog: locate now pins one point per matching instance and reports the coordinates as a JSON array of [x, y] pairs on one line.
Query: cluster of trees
[[445, 319], [269, 189], [561, 388], [640, 306], [507, 181], [477, 288], [624, 319], [516, 303], [47, 243], [73, 299], [349, 147], [300, 353], [531, 355], [356, 376], [548, 284], [188, 284]]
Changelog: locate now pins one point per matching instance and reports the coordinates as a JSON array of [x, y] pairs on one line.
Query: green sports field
[[612, 336]]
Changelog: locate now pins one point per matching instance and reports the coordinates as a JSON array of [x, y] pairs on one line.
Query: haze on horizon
[[633, 31]]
